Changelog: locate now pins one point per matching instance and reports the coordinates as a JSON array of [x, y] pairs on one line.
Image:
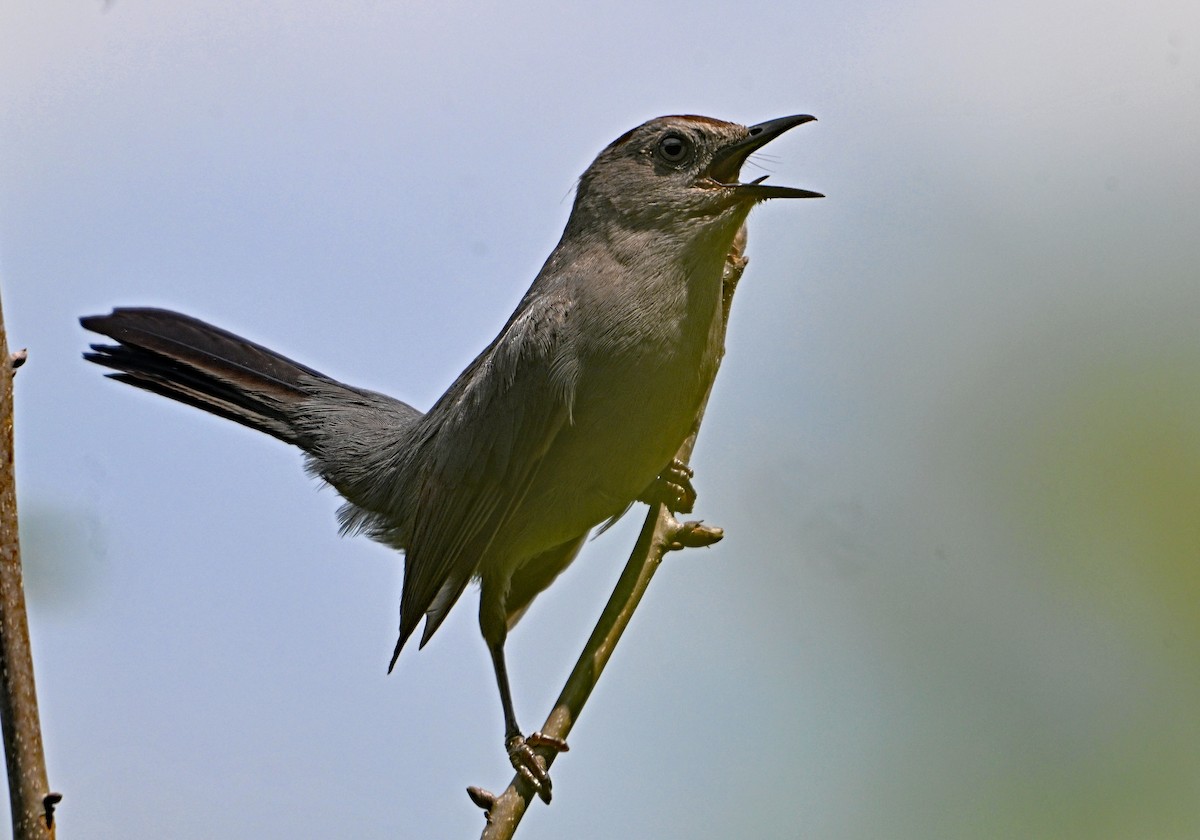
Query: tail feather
[[197, 364]]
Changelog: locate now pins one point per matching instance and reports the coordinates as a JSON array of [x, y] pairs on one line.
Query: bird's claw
[[673, 488], [529, 765]]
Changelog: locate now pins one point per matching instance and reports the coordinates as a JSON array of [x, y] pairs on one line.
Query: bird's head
[[682, 170]]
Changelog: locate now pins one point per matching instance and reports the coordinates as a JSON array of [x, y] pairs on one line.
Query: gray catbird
[[572, 413]]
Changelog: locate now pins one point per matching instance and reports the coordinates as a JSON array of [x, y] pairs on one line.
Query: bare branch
[[29, 795]]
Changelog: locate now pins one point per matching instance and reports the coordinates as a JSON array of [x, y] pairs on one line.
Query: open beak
[[727, 162]]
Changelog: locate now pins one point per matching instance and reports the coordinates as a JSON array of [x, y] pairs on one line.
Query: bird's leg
[[525, 761], [530, 766], [672, 487]]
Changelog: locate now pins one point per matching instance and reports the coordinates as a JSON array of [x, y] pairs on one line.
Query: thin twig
[[29, 793], [660, 533]]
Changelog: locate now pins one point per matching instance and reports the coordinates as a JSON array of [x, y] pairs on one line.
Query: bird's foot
[[529, 765], [673, 488]]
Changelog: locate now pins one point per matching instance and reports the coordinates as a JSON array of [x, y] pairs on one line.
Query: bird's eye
[[674, 149]]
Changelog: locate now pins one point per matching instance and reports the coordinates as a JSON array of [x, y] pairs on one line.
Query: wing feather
[[494, 428]]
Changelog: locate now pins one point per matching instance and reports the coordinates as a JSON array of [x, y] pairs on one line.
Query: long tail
[[204, 366], [352, 437]]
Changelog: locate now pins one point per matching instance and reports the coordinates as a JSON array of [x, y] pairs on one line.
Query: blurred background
[[955, 444]]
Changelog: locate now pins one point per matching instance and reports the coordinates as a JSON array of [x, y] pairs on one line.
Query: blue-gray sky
[[955, 443]]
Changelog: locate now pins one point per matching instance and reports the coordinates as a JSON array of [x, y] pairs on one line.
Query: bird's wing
[[488, 436]]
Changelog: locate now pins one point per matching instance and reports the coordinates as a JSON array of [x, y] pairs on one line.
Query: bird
[[571, 414]]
